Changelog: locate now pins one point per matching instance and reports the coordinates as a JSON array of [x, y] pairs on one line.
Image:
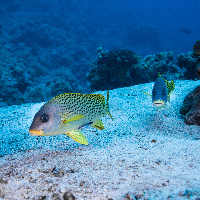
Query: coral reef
[[196, 54], [14, 78], [186, 61], [122, 68], [112, 69], [27, 74], [161, 62], [22, 82], [191, 107]]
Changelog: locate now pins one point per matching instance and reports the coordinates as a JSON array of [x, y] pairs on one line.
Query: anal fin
[[78, 136], [98, 124]]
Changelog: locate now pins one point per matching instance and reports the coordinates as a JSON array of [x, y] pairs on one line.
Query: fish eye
[[44, 118]]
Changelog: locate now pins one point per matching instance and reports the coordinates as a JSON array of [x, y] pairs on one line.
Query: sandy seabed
[[141, 154]]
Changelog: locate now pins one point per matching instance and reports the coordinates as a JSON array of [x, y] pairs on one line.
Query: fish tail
[[107, 106]]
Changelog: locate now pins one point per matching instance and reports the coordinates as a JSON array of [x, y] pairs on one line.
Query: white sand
[[147, 154]]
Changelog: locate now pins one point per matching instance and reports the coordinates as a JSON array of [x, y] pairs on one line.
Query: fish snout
[[36, 132], [159, 104]]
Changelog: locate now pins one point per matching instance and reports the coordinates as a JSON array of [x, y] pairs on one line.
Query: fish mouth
[[159, 104], [36, 132]]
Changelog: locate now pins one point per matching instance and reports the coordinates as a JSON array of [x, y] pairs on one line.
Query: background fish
[[161, 92], [68, 113]]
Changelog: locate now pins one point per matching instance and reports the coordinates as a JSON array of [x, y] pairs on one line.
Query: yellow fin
[[171, 87], [147, 93], [98, 124], [76, 117], [168, 98], [78, 136]]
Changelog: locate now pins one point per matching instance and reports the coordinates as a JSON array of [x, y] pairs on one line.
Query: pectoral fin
[[168, 98], [98, 124], [147, 93], [78, 136], [76, 117]]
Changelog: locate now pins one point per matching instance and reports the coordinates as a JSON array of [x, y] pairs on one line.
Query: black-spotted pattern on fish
[[68, 112], [71, 104]]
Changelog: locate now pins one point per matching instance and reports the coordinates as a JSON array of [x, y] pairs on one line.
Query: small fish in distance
[[161, 92], [67, 113]]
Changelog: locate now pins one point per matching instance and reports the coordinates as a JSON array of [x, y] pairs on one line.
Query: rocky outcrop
[[191, 107]]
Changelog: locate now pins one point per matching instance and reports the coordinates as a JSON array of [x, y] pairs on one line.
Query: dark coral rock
[[189, 63], [2, 195], [196, 54], [56, 196], [112, 69], [68, 196], [191, 107], [3, 181], [129, 196], [196, 50], [42, 198]]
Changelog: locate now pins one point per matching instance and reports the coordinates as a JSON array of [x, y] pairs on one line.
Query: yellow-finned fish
[[67, 113], [161, 92]]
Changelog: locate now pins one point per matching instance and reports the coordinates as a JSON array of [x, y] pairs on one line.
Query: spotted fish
[[68, 113], [161, 92]]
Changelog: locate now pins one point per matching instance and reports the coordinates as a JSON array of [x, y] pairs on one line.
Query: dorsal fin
[[97, 97], [170, 86], [98, 124]]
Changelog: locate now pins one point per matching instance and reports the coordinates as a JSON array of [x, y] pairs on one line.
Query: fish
[[185, 30], [68, 113], [161, 92]]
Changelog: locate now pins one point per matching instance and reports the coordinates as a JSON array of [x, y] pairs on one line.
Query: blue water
[[144, 26]]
